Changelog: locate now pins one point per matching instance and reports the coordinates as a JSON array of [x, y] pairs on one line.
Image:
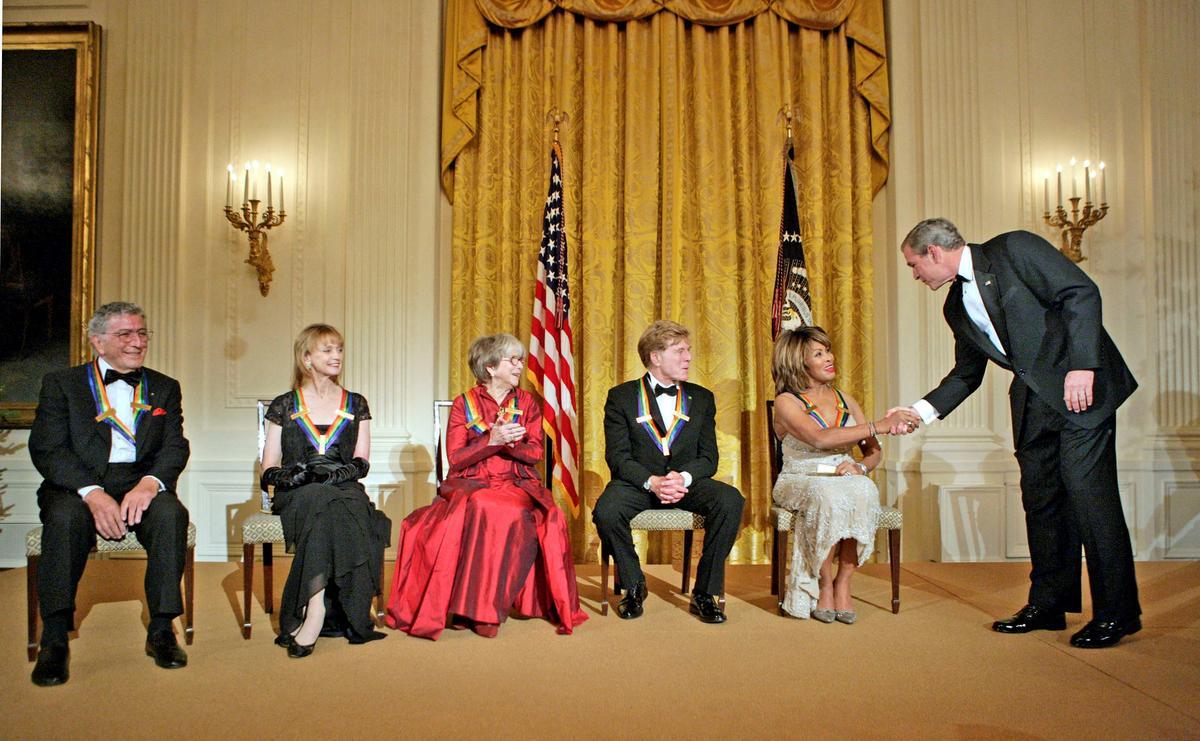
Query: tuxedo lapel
[[653, 403], [989, 291], [957, 317]]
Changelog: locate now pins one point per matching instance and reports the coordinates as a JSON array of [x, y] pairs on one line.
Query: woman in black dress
[[318, 440]]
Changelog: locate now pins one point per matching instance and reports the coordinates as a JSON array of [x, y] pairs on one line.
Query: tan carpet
[[933, 671]]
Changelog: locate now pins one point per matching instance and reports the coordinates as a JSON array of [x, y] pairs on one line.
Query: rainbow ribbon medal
[[105, 411], [662, 439], [475, 421], [842, 417], [342, 419]]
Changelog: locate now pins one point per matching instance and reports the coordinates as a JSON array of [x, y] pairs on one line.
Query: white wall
[[985, 96], [344, 97]]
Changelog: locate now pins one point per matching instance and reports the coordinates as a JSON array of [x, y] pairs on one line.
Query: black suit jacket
[[1047, 314], [632, 455], [70, 448]]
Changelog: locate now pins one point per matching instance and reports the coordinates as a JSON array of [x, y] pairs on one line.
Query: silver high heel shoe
[[824, 615], [845, 616]]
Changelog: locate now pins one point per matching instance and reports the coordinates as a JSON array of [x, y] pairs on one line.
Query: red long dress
[[495, 541]]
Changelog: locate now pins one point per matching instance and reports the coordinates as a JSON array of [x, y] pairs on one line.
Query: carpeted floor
[[933, 671]]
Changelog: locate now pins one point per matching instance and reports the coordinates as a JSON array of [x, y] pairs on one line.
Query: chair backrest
[[439, 440], [441, 461], [776, 443], [262, 444]]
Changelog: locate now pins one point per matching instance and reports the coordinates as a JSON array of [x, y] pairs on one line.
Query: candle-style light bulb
[[1045, 191], [281, 191], [254, 189], [1058, 171], [268, 185], [1103, 184], [228, 183], [246, 186], [1074, 191]]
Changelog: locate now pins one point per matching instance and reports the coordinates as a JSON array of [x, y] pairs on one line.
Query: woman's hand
[[506, 434], [899, 421], [850, 468]]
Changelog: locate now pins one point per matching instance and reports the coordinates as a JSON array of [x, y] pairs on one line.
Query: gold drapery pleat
[[673, 170]]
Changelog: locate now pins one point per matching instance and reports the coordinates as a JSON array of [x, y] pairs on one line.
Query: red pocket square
[[158, 412]]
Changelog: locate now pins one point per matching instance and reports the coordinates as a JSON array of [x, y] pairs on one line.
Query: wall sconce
[[246, 218], [1071, 230]]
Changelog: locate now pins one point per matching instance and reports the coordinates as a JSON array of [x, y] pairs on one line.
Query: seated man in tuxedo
[[661, 446], [108, 438]]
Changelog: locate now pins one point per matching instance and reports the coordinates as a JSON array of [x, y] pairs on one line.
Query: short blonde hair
[[787, 361], [487, 352], [658, 337], [306, 342]]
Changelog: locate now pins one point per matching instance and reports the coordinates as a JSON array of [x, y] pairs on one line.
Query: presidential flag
[[791, 306], [550, 367]]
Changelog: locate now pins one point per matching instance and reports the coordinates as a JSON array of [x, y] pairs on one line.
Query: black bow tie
[[133, 378], [667, 390]]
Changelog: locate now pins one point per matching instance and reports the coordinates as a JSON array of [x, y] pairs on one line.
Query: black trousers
[[1069, 491], [69, 533], [719, 503]]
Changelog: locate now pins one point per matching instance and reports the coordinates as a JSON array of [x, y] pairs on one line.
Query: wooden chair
[[656, 520], [33, 555], [782, 521], [265, 529]]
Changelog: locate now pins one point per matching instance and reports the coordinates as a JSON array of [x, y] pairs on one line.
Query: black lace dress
[[335, 531]]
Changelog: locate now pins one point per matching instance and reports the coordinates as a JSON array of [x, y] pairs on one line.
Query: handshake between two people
[[899, 421]]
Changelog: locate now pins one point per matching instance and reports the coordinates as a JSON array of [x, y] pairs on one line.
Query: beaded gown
[[828, 509], [336, 533], [495, 541]]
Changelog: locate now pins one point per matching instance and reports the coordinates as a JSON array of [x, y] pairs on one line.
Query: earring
[[307, 365]]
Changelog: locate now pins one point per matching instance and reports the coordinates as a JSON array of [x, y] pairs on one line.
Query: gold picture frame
[[49, 192]]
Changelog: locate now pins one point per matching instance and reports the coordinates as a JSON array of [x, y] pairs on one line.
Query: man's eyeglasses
[[127, 335]]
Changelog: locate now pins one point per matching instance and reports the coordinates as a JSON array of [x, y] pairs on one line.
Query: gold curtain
[[673, 169]]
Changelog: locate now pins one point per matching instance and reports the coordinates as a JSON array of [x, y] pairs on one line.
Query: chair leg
[[781, 563], [268, 578], [31, 600], [894, 558], [379, 608], [775, 563], [687, 560], [189, 594], [603, 581], [247, 587]]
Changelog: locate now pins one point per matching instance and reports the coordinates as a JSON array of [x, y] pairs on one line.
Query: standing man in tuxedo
[[108, 438], [660, 442], [1017, 301]]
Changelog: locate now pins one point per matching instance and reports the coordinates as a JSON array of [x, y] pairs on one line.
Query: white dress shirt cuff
[[84, 491], [687, 479], [926, 410]]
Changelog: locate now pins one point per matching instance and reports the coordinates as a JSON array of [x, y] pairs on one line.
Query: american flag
[[791, 306], [551, 369]]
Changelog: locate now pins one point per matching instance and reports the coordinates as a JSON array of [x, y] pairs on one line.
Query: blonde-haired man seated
[[661, 447]]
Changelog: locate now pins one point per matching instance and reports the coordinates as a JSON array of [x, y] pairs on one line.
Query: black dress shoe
[[52, 666], [630, 606], [165, 650], [1032, 617], [299, 650], [706, 608], [1105, 633]]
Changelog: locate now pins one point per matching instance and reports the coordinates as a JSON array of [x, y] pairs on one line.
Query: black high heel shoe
[[285, 640], [299, 650]]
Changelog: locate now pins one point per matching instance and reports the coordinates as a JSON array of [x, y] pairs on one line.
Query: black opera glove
[[283, 479], [352, 471]]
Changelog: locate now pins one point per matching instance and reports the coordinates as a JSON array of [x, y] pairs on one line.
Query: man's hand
[[669, 489], [1077, 389], [900, 421], [107, 514], [137, 500]]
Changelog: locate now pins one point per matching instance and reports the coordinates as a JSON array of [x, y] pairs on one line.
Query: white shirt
[[666, 408], [976, 312], [120, 398]]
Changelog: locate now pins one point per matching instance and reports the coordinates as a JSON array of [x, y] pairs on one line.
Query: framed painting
[[50, 93]]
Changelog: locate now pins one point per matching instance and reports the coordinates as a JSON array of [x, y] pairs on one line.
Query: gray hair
[[98, 324], [487, 352], [939, 231]]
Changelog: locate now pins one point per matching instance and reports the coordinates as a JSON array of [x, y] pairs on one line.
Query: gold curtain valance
[[466, 36]]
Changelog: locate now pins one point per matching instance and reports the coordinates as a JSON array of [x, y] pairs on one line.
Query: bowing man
[[108, 438], [661, 447]]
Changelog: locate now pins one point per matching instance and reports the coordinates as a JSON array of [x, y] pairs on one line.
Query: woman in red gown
[[494, 542]]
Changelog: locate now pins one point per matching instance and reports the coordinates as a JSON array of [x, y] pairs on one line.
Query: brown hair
[[787, 361], [658, 337], [487, 352], [306, 342]]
